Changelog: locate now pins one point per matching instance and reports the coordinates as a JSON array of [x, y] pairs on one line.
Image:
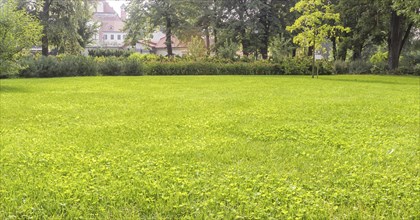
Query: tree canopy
[[19, 31]]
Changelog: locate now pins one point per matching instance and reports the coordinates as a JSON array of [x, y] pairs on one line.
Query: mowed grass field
[[210, 147]]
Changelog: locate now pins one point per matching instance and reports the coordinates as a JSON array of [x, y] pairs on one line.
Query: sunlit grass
[[210, 147]]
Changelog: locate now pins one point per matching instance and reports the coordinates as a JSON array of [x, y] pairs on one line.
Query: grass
[[220, 147]]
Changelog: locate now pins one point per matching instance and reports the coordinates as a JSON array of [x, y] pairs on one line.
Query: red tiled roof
[[161, 43]]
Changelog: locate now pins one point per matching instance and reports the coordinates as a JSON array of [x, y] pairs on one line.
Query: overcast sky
[[117, 5]]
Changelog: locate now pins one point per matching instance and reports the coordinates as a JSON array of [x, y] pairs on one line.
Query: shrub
[[228, 50], [9, 68], [379, 57], [340, 67], [197, 48], [132, 67], [409, 63], [296, 66], [208, 68], [325, 67], [360, 67], [380, 67], [71, 65], [43, 67], [281, 48], [110, 66], [60, 66], [109, 53]]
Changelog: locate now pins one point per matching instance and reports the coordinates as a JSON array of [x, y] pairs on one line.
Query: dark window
[[119, 37], [112, 37], [105, 37]]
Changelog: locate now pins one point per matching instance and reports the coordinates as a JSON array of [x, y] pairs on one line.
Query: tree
[[86, 27], [314, 25], [404, 15], [196, 48], [367, 23], [19, 31], [60, 20], [147, 15]]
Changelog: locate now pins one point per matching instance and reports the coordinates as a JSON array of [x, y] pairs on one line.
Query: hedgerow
[[139, 64]]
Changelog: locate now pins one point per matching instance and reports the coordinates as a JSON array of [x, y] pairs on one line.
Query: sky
[[117, 5]]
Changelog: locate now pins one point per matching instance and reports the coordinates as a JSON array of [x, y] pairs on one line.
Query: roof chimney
[[123, 12]]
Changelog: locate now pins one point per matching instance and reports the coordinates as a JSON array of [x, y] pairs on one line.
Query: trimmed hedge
[[60, 66], [134, 65], [137, 65]]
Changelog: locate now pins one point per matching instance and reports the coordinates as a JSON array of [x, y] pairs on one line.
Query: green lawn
[[222, 147]]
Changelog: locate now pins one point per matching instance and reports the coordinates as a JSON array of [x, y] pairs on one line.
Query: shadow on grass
[[13, 89], [376, 81]]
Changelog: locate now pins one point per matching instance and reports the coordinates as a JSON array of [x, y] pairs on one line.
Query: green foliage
[[281, 48], [42, 67], [410, 63], [197, 48], [228, 50], [207, 68], [19, 31], [132, 66], [109, 53], [340, 67], [379, 57], [360, 67], [296, 66], [61, 66], [313, 26], [230, 147], [111, 66]]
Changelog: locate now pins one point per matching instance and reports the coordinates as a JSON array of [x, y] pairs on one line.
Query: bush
[[325, 67], [41, 67], [208, 68], [379, 67], [8, 68], [228, 50], [71, 65], [340, 67], [132, 67], [296, 66], [59, 66], [109, 53], [409, 63], [360, 67], [110, 66]]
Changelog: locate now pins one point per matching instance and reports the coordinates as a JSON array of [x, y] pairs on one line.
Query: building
[[111, 25], [157, 45]]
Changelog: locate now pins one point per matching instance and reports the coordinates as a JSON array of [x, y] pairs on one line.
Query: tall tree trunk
[[397, 38], [334, 45], [45, 16], [245, 42], [310, 51], [357, 51], [169, 36], [342, 50], [215, 40], [266, 31], [207, 33], [294, 51], [313, 57]]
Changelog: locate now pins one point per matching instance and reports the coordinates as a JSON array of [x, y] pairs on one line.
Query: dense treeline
[[382, 34], [254, 25]]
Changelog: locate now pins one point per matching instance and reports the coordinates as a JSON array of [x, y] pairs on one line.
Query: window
[[119, 37], [105, 37], [112, 37]]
